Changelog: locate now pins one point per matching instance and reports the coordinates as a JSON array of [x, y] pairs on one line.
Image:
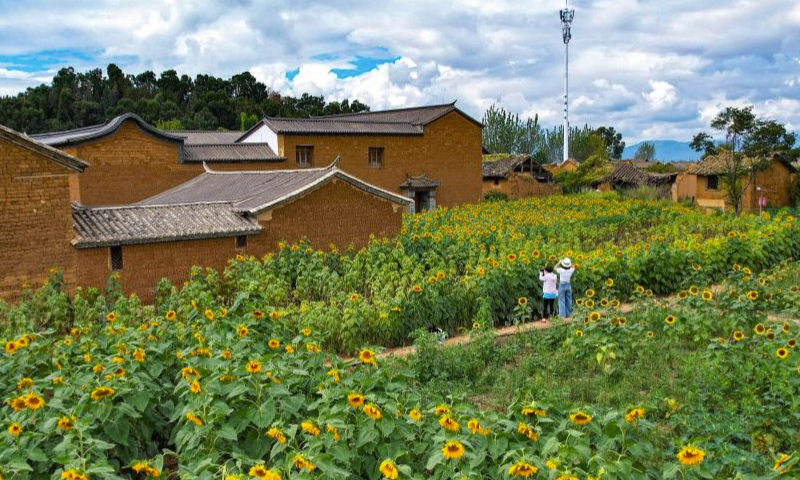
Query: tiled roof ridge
[[29, 143], [136, 206], [333, 165], [337, 120], [101, 130], [391, 110]]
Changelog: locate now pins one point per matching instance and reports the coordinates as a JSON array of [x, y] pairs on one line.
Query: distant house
[[132, 160], [517, 176], [570, 165], [204, 221], [703, 184], [626, 176]]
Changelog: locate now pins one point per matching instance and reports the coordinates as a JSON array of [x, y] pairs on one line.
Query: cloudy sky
[[654, 69]]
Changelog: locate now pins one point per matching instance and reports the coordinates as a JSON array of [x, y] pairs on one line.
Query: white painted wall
[[263, 134]]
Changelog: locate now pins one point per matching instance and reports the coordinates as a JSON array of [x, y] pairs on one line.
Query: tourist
[[565, 270], [549, 291]]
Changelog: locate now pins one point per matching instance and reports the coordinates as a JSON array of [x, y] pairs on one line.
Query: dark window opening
[[497, 181], [241, 241], [115, 257], [376, 157], [304, 155], [713, 182]]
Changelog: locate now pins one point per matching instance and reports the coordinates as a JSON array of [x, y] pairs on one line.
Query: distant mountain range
[[666, 150]]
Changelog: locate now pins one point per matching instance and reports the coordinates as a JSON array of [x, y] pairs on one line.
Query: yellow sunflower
[[15, 429], [670, 320], [388, 469], [100, 393], [33, 401], [254, 366], [691, 455], [414, 414], [522, 301], [580, 418], [738, 335], [707, 295], [782, 353], [367, 357], [453, 450], [448, 423], [372, 411], [522, 469], [356, 400], [760, 329]]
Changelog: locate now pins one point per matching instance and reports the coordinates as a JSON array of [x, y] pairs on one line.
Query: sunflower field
[[270, 369]]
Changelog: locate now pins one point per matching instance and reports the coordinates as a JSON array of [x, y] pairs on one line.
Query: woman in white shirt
[[565, 270], [549, 291]]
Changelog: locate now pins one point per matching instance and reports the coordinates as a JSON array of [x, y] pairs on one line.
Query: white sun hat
[[566, 262]]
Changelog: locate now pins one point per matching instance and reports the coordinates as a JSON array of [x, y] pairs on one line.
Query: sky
[[655, 69]]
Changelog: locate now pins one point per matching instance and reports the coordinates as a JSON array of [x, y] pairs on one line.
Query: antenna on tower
[[566, 21]]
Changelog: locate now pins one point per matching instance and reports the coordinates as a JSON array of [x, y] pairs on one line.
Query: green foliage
[[246, 122], [495, 196], [504, 132], [644, 193], [659, 167], [613, 141], [172, 124], [645, 151], [76, 99]]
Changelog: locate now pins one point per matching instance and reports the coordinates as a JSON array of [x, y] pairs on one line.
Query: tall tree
[[75, 100], [613, 141], [580, 143], [506, 132], [645, 151], [750, 143]]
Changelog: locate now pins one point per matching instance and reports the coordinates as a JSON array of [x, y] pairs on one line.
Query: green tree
[[173, 124], [645, 151], [750, 143], [506, 132], [580, 148], [247, 121], [613, 140]]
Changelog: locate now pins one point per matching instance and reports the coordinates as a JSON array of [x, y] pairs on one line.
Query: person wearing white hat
[[564, 269]]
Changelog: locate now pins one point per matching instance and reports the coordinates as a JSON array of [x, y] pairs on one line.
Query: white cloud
[[661, 95], [647, 68]]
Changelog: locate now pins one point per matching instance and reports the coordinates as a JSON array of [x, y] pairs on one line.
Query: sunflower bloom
[[388, 469], [100, 393], [302, 463], [33, 401], [448, 423], [634, 415], [253, 367], [367, 357], [310, 428], [414, 414], [522, 469], [14, 429], [782, 353], [453, 450], [372, 411], [691, 455], [580, 418], [65, 423], [276, 434], [258, 471]]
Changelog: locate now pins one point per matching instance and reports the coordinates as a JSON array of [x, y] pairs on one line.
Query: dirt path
[[515, 330], [463, 339]]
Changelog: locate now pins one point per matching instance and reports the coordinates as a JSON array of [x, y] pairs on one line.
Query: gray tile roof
[[137, 224], [202, 137], [253, 192], [80, 135], [501, 168], [420, 182], [412, 115], [336, 126], [404, 121], [229, 153], [33, 145], [626, 174]]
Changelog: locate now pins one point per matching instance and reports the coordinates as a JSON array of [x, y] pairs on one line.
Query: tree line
[[168, 100], [506, 132]]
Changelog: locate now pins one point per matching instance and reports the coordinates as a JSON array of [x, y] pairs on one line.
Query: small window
[[304, 154], [241, 241], [376, 157], [115, 257], [497, 181], [713, 182]]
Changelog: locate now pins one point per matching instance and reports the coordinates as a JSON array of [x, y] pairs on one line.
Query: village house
[[204, 221], [628, 176], [703, 184], [570, 165], [429, 154], [517, 176]]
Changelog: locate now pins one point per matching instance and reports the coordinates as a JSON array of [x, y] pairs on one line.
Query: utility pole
[[566, 20]]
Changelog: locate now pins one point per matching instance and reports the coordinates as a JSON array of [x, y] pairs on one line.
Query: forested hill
[[169, 100]]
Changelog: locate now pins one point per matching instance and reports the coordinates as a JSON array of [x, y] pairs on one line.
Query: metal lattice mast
[[566, 20]]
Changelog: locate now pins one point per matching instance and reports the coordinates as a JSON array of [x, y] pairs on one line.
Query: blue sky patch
[[47, 59], [362, 64]]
